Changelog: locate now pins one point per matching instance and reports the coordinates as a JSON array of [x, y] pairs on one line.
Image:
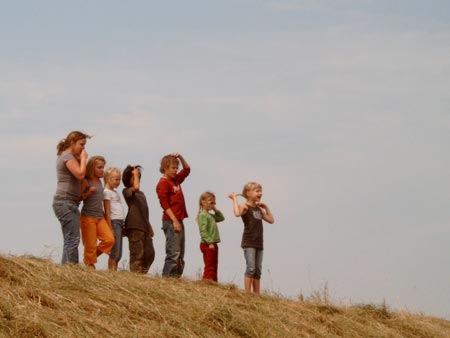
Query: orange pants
[[92, 230]]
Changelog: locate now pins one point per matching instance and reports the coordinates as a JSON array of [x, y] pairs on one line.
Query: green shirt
[[209, 232]]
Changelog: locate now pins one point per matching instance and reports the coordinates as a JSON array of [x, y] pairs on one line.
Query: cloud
[[340, 112], [316, 5]]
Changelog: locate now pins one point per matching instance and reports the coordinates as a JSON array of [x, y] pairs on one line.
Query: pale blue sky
[[341, 109]]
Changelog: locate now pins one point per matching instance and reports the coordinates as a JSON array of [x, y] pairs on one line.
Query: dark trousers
[[211, 259], [142, 252]]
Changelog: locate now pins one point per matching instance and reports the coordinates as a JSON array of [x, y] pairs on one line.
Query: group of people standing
[[102, 222]]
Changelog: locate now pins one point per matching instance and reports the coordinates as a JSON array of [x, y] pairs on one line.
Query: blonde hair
[[70, 139], [90, 166], [203, 197], [109, 173], [166, 161], [249, 186]]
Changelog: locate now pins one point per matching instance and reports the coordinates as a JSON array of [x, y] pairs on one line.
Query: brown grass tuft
[[41, 299]]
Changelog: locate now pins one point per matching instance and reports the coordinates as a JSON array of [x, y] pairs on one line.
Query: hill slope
[[42, 299]]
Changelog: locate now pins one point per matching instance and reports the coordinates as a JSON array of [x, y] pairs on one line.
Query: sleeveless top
[[253, 229], [93, 205]]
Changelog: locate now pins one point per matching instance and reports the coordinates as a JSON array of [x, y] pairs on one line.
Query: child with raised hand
[[209, 233], [96, 234], [172, 202], [137, 224], [252, 212], [114, 214]]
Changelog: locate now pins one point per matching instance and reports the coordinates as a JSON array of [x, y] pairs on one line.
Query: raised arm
[[136, 180], [218, 216], [239, 210], [78, 169], [184, 163]]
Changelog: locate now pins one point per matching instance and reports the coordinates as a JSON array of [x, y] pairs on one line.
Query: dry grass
[[42, 299]]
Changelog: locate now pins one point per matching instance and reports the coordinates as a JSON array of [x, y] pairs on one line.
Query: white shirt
[[116, 205]]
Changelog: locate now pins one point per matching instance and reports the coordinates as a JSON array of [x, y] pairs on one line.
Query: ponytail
[[61, 147], [73, 137]]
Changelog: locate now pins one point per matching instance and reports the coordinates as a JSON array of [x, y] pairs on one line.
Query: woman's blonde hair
[[109, 173], [70, 139], [90, 166], [250, 186]]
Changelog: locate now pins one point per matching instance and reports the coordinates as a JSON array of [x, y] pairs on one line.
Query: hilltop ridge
[[41, 299]]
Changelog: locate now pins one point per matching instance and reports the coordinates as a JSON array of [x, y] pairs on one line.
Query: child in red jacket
[[171, 198]]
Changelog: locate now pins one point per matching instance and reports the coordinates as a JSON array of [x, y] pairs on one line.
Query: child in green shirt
[[209, 233]]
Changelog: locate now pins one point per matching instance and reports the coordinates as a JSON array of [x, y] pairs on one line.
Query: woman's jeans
[[174, 262], [69, 216]]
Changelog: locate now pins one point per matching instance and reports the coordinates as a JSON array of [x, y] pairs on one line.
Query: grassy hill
[[41, 299]]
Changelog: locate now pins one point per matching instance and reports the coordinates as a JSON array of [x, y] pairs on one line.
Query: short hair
[[166, 161], [128, 174], [90, 166], [250, 186], [109, 173], [71, 138]]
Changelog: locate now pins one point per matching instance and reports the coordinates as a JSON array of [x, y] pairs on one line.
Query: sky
[[339, 108]]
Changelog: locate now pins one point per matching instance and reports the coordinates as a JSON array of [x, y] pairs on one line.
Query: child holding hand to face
[[209, 233]]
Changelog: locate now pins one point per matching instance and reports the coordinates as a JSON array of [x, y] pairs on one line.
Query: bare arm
[[107, 207], [78, 169], [239, 210], [85, 192], [267, 214]]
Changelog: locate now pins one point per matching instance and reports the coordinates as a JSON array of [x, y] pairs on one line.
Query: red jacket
[[170, 195]]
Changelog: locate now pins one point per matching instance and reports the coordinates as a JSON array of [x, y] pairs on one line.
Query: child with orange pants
[[93, 224]]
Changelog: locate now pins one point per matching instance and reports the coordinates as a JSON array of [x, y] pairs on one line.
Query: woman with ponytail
[[70, 171]]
